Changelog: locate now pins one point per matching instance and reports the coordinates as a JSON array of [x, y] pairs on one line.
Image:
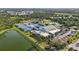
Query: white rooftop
[[40, 33], [54, 31], [44, 34]]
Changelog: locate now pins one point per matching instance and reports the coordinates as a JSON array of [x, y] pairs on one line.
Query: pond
[[13, 41]]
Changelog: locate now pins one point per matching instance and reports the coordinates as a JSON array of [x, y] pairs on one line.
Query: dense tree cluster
[[73, 38], [7, 21], [67, 20], [56, 45]]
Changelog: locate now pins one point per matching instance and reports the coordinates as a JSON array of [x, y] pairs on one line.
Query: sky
[[39, 3]]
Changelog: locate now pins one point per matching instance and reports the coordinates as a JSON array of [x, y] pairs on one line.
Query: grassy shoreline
[[39, 46], [32, 40], [3, 31]]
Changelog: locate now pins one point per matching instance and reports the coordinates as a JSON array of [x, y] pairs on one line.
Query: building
[[32, 25], [41, 33], [28, 26], [11, 12], [24, 12], [39, 29], [23, 27], [50, 29], [57, 25]]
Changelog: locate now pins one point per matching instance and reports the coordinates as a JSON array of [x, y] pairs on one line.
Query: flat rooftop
[[44, 34]]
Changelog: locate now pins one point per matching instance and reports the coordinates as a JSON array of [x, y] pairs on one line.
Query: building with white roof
[[50, 29], [44, 31], [54, 31], [24, 12], [12, 12], [41, 33]]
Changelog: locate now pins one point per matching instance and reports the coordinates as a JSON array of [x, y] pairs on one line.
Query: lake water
[[13, 41]]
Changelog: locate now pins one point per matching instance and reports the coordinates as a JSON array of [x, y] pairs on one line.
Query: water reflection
[[13, 41]]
